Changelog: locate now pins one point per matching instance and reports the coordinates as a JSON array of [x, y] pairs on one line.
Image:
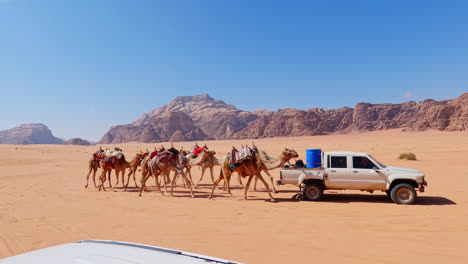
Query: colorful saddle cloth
[[109, 161], [165, 156], [98, 155], [232, 165]]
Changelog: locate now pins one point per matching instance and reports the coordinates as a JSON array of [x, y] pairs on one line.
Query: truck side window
[[338, 162], [362, 163]]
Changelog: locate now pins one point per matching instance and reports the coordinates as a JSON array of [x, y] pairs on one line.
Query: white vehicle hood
[[400, 170], [110, 252]]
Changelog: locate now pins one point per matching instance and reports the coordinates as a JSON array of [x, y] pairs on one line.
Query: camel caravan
[[247, 162]]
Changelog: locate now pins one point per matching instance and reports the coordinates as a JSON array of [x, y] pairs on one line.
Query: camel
[[134, 164], [248, 168], [94, 165], [266, 163], [119, 167], [158, 166], [209, 163]]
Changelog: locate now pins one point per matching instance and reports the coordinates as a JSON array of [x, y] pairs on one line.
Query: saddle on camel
[[98, 156], [238, 156], [112, 156], [197, 150]]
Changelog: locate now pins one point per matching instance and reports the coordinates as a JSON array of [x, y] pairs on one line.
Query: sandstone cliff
[[200, 117], [29, 134]]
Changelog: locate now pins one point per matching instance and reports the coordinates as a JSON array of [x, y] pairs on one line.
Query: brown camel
[[247, 168], [120, 165], [266, 163], [94, 165], [160, 166], [134, 164]]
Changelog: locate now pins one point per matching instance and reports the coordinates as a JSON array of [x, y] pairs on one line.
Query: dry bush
[[407, 156]]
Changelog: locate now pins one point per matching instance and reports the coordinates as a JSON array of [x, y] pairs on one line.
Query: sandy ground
[[43, 203]]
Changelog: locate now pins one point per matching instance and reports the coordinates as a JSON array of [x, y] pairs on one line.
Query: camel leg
[[164, 176], [189, 183], [110, 185], [227, 179], [94, 177], [266, 186], [239, 179], [172, 184], [144, 178], [128, 178], [272, 181], [211, 173], [117, 177], [102, 178], [201, 177], [216, 183], [185, 180], [134, 177], [189, 172], [247, 186], [159, 186], [87, 177]]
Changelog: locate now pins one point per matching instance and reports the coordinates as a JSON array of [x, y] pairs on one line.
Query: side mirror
[[376, 169]]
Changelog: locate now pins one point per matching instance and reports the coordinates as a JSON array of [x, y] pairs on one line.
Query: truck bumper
[[422, 185]]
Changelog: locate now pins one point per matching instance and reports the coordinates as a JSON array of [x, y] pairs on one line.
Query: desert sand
[[43, 203]]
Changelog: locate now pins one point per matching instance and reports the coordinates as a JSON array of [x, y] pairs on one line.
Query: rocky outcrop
[[449, 115], [186, 118], [200, 117], [77, 141], [170, 126], [29, 134], [214, 117]]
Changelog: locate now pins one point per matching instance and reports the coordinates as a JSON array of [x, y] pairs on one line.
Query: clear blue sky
[[82, 66]]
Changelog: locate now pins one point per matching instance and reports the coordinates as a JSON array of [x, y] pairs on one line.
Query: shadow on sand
[[365, 198], [327, 198]]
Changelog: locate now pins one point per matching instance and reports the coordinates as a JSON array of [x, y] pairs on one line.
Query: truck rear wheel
[[313, 191], [403, 193]]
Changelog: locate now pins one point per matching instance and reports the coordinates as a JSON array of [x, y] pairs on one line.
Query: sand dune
[[43, 202]]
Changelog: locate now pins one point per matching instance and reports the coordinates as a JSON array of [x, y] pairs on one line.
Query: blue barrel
[[313, 158]]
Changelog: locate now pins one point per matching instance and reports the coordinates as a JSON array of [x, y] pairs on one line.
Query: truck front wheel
[[313, 191], [403, 193]]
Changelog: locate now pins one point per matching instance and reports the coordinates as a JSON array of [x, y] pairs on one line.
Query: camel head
[[141, 154], [290, 153]]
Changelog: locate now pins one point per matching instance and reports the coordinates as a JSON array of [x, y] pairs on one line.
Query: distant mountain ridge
[[200, 117], [77, 141], [29, 134]]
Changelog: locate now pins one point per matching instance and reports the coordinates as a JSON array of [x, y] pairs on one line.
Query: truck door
[[364, 175], [338, 172]]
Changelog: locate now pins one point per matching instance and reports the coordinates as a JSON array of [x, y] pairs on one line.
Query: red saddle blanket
[[98, 156], [165, 156], [153, 154], [109, 161]]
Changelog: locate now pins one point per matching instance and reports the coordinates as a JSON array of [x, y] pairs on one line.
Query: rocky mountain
[[201, 117], [77, 141], [168, 126], [29, 134], [186, 118]]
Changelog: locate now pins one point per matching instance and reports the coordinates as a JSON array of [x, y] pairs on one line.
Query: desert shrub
[[407, 156]]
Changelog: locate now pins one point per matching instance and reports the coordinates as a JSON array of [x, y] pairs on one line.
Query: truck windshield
[[380, 164]]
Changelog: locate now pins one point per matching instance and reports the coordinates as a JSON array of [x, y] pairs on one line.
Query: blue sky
[[82, 66]]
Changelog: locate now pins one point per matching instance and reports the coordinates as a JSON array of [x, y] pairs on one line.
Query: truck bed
[[292, 175]]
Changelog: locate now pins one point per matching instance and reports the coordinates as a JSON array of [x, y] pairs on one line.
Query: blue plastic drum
[[314, 158]]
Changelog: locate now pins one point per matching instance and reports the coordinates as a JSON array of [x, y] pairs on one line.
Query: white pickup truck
[[346, 170]]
